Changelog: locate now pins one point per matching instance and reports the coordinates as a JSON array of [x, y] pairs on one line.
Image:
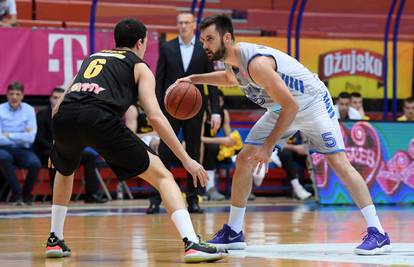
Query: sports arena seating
[[343, 19]]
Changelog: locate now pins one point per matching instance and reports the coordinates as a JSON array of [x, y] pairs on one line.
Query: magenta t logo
[[67, 57]]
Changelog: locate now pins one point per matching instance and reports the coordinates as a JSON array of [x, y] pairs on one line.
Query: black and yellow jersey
[[106, 79]]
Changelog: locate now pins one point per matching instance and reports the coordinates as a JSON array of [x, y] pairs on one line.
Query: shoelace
[[369, 237], [219, 233], [205, 244]]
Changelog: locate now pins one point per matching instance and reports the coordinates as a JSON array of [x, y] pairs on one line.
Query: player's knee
[[241, 158]]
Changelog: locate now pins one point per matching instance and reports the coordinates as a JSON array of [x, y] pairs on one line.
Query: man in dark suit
[[178, 58]]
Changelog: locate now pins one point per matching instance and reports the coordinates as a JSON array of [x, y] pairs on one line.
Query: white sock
[[295, 182], [58, 220], [182, 221], [236, 218], [370, 215], [211, 177]]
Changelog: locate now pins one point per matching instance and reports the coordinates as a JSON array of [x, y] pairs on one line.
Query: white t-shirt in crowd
[[7, 7], [353, 114]]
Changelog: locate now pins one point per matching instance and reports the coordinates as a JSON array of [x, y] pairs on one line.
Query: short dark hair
[[409, 100], [222, 22], [15, 86], [344, 95], [356, 94], [58, 90], [128, 31]]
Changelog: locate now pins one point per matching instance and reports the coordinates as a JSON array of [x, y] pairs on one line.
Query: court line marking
[[403, 253], [89, 237]]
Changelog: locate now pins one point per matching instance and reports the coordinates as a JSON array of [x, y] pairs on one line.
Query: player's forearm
[[213, 140], [161, 125], [217, 78], [286, 117]]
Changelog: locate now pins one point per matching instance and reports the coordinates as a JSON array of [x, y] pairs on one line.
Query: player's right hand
[[197, 171]]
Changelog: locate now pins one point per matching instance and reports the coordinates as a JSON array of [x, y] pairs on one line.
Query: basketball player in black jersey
[[107, 83]]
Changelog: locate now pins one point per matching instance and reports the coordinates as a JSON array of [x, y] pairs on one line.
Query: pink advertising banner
[[43, 58]]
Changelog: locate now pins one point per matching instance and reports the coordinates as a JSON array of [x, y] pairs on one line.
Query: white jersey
[[304, 85]]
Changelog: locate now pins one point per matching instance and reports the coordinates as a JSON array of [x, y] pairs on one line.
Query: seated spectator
[[408, 110], [292, 158], [136, 121], [17, 133], [358, 105], [343, 109], [43, 146], [211, 148], [8, 13]]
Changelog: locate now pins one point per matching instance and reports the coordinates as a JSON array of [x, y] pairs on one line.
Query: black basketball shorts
[[77, 126]]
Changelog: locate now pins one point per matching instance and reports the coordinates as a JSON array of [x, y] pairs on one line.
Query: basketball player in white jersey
[[295, 99]]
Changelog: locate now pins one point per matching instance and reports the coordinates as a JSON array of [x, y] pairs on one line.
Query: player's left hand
[[184, 79], [259, 159], [215, 122], [197, 172]]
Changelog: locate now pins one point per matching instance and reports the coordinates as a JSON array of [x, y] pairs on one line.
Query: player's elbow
[[292, 107]]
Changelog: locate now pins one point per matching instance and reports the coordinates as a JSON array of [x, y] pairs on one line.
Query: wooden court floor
[[278, 233]]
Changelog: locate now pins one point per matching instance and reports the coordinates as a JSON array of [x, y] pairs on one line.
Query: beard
[[219, 54]]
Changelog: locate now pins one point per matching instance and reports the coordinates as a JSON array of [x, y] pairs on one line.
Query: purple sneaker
[[228, 239], [374, 243]]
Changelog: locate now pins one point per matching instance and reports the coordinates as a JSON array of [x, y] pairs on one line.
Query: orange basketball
[[183, 100]]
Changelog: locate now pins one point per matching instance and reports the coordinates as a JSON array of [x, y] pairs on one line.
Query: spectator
[[136, 120], [358, 105], [343, 109], [17, 133], [43, 146], [211, 148], [181, 57], [408, 110], [8, 13], [292, 158]]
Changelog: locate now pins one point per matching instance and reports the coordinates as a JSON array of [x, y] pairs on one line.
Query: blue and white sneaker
[[228, 239], [374, 243]]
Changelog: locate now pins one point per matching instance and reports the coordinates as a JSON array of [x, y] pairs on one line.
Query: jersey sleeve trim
[[258, 55]]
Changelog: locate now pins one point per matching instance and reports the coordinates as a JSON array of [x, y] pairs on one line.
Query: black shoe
[[193, 207], [94, 198], [153, 209], [28, 200], [202, 252], [56, 248], [18, 202]]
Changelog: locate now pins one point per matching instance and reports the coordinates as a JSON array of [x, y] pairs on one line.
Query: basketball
[[183, 100]]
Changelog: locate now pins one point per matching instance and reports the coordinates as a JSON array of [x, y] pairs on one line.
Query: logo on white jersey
[[347, 62]]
